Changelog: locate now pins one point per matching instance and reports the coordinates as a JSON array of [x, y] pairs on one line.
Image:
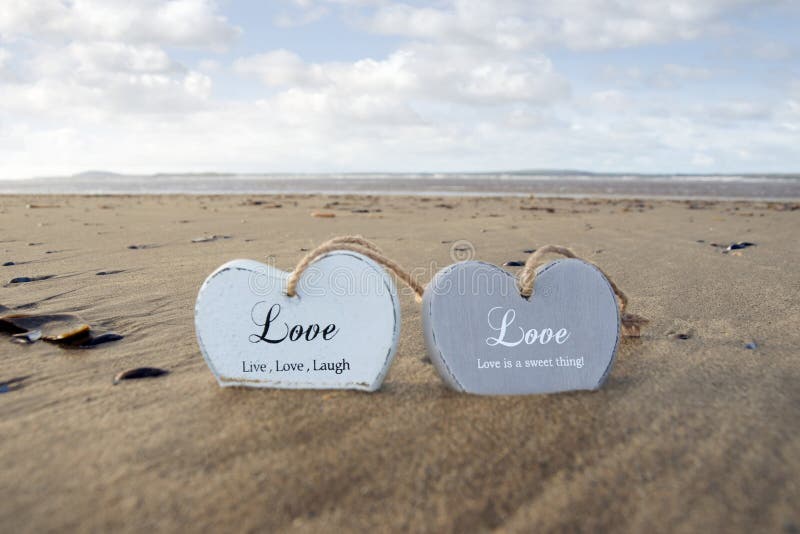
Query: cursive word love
[[294, 333], [508, 338]]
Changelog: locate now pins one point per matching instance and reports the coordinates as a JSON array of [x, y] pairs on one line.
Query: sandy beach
[[692, 432]]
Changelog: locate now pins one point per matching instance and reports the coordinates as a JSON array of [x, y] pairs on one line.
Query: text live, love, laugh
[[296, 332]]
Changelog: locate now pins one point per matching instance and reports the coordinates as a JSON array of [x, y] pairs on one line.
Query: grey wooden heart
[[484, 337]]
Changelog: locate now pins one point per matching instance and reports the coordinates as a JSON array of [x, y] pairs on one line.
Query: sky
[[688, 86]]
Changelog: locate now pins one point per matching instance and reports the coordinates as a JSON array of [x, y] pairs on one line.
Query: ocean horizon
[[764, 186]]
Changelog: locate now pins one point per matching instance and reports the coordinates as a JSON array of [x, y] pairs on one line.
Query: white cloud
[[576, 24], [667, 76], [736, 110], [467, 86], [178, 22], [449, 73], [278, 68], [102, 78], [99, 58]]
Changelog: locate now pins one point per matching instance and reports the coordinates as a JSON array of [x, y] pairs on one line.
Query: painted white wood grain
[[483, 337], [340, 331]]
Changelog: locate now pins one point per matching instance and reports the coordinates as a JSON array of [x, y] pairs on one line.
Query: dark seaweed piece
[[12, 384], [106, 273], [538, 208], [529, 250], [514, 263], [8, 264], [139, 372], [265, 203]]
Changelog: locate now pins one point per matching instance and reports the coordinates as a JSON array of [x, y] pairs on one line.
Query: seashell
[[208, 238], [57, 327]]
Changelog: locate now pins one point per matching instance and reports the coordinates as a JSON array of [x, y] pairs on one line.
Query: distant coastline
[[555, 183]]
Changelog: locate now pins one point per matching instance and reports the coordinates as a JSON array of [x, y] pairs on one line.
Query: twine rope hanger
[[631, 323], [356, 244]]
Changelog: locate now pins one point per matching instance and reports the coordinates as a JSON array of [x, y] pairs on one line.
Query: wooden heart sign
[[484, 337], [339, 331]]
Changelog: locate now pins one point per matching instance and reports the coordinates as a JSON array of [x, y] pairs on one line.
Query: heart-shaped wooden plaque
[[484, 337], [339, 332]]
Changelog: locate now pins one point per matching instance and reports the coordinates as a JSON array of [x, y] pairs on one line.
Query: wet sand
[[692, 432]]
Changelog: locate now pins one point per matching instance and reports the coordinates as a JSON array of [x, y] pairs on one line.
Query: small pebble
[[12, 384], [206, 239], [139, 372], [751, 346], [8, 264], [529, 250], [738, 246], [25, 279], [100, 339], [514, 263], [679, 335]]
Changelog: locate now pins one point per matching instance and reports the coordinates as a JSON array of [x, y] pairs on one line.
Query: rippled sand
[[692, 432]]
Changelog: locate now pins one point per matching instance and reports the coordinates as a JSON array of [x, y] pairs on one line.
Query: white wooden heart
[[484, 337], [339, 332]]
